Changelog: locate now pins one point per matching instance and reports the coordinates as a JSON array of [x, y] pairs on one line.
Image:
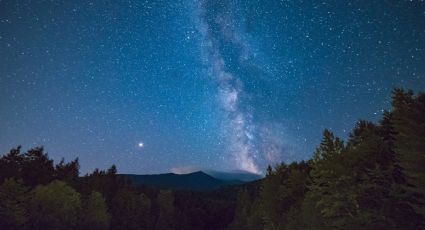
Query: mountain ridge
[[198, 180]]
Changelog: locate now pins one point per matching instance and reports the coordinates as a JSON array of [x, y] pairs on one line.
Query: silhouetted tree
[[409, 123], [68, 172], [95, 213], [54, 206], [11, 164], [290, 183], [130, 210], [336, 202], [37, 168], [13, 212]]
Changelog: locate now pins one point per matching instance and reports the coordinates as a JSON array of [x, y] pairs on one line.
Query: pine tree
[[409, 124], [68, 172], [282, 194], [331, 184], [11, 164], [37, 168], [54, 206], [130, 210], [13, 212], [95, 213]]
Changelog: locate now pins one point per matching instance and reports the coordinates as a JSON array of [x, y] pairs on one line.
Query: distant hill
[[191, 181]]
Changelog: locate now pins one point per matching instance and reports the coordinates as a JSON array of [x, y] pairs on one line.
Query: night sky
[[181, 85]]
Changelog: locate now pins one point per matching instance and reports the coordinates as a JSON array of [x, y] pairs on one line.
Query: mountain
[[191, 181], [236, 175]]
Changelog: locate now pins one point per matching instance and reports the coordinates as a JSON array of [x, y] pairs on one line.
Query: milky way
[[248, 145]]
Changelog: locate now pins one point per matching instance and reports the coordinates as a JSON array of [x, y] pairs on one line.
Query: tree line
[[37, 194], [374, 180]]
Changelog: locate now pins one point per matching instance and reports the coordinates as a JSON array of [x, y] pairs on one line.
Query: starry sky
[[181, 85]]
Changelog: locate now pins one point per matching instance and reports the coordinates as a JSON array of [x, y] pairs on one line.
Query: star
[[141, 145]]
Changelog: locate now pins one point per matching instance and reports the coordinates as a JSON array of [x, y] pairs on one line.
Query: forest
[[373, 180]]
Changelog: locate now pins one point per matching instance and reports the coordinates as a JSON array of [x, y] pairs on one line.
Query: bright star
[[140, 144]]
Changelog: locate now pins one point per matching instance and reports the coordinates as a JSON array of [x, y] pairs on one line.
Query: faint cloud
[[185, 169]]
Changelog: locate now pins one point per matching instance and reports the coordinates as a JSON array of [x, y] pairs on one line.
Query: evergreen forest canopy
[[374, 180]]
